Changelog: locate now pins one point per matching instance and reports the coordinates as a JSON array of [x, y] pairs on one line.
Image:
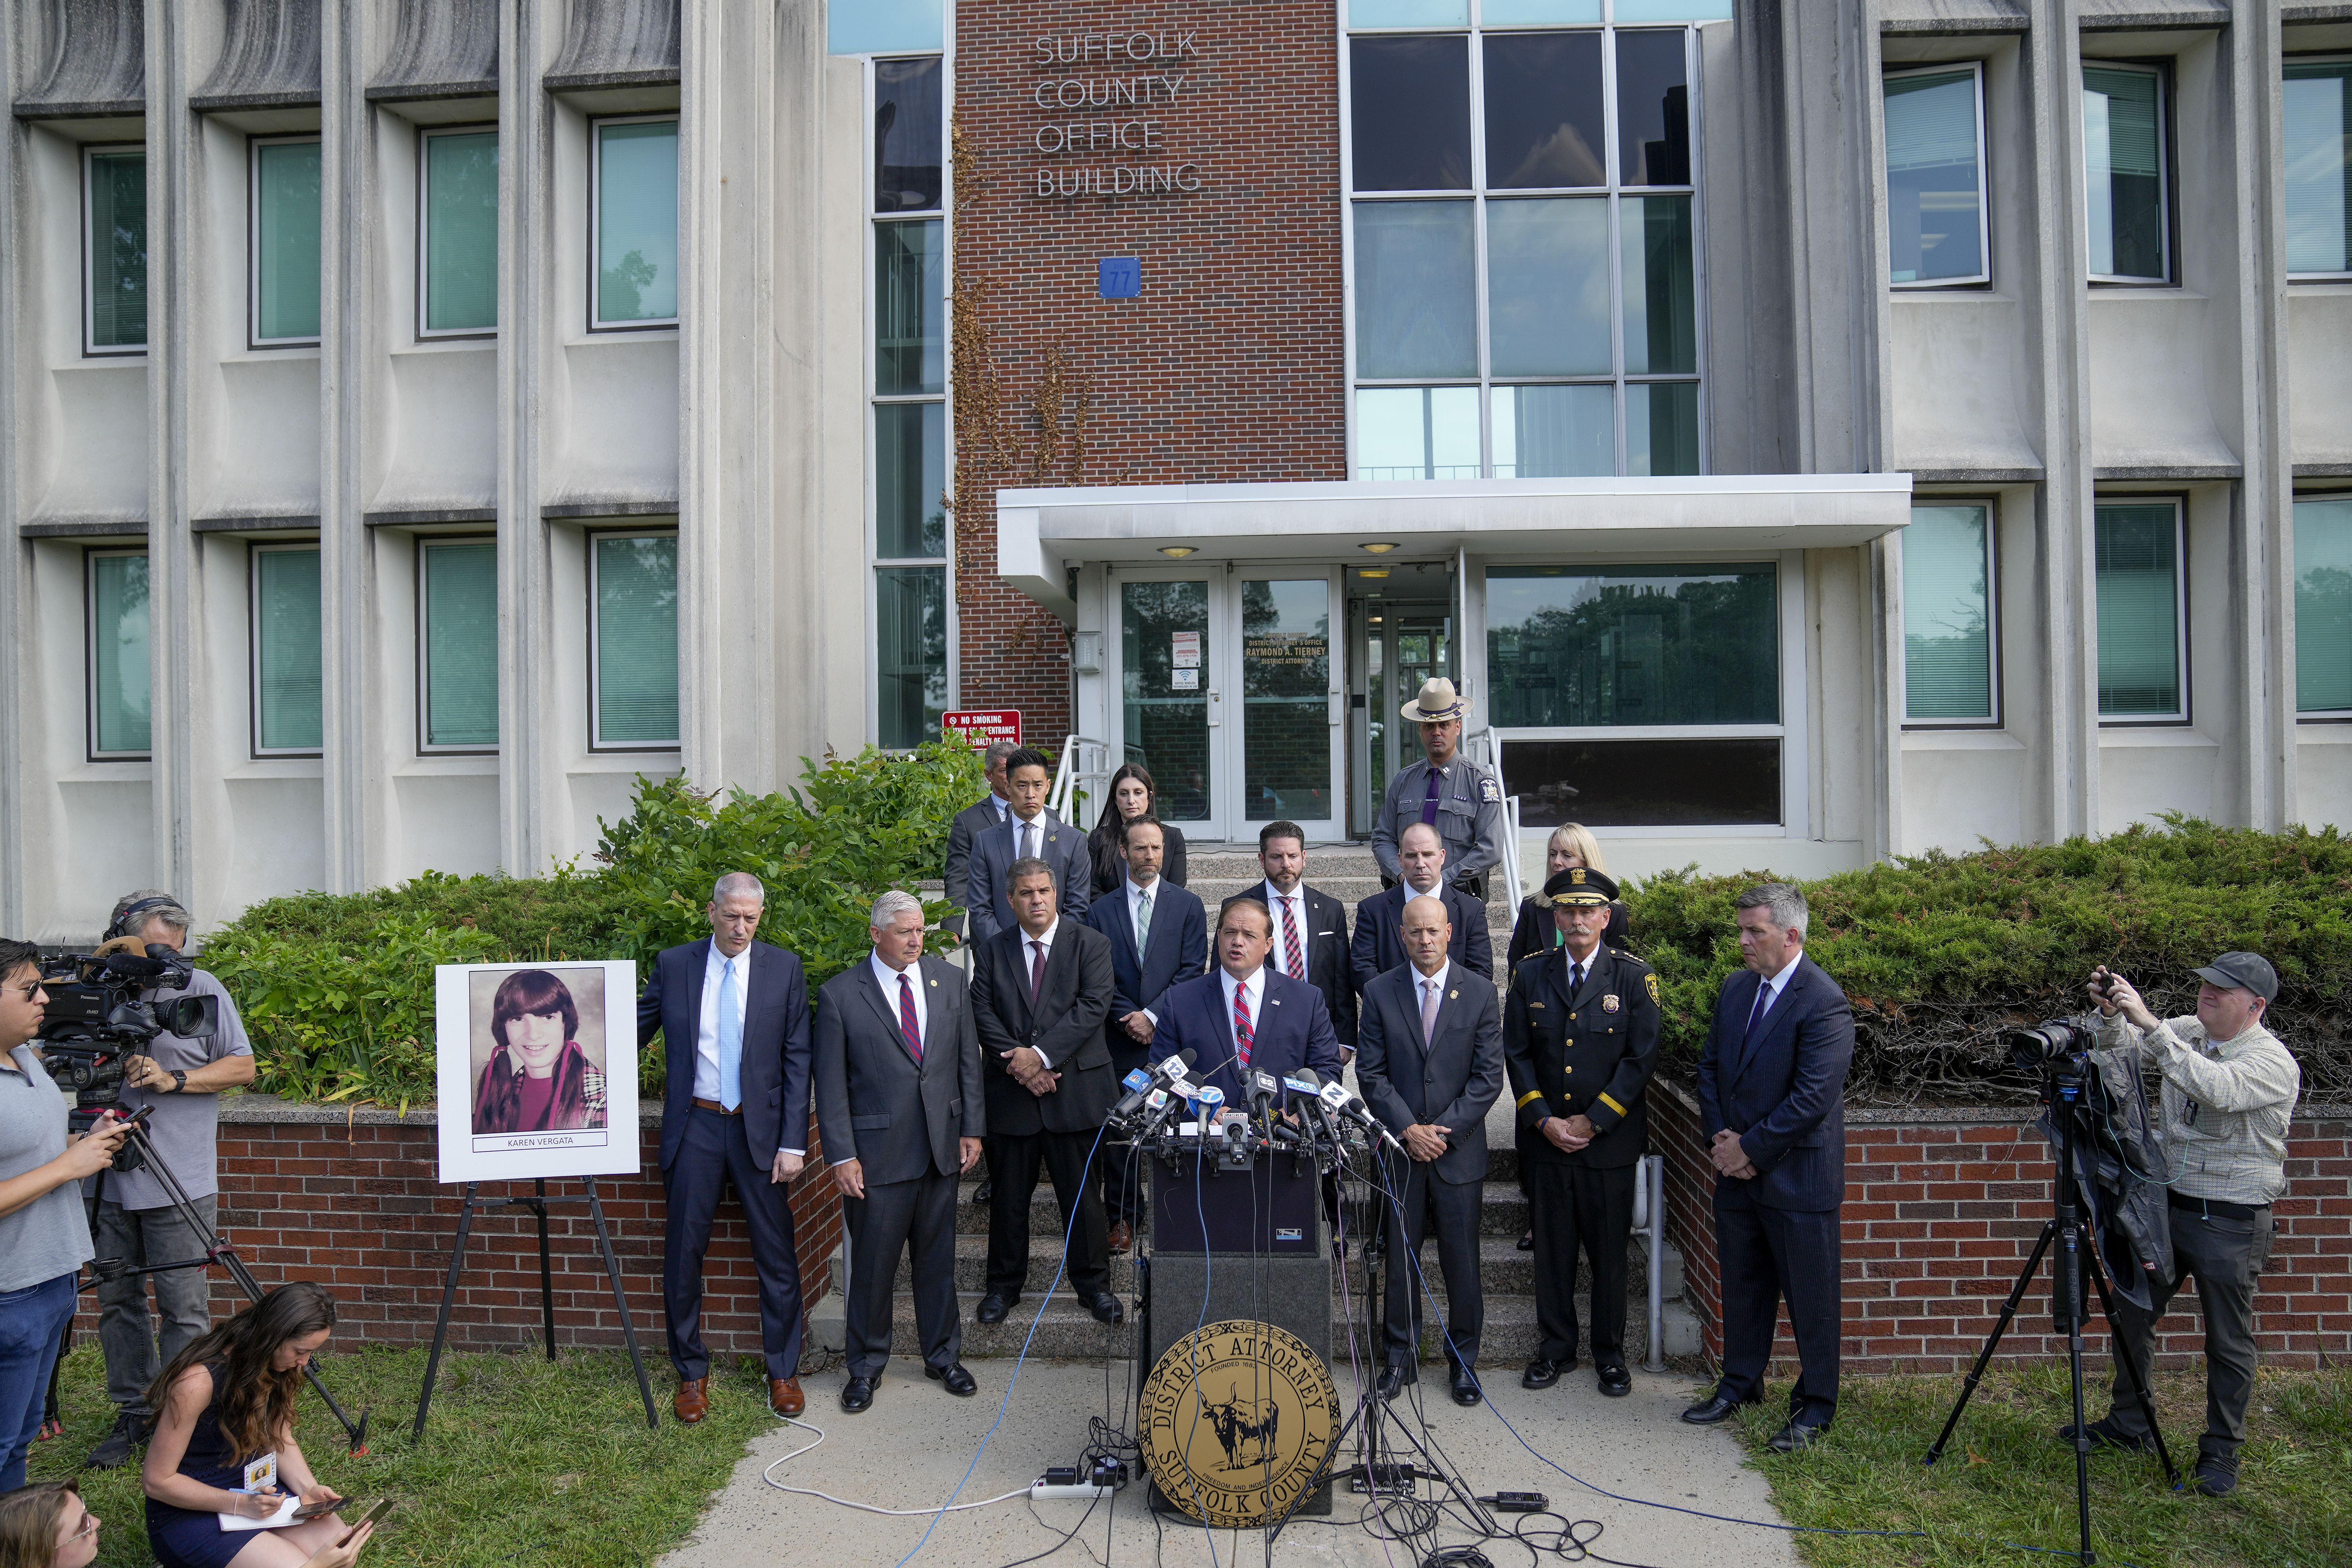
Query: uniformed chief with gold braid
[[1581, 1044]]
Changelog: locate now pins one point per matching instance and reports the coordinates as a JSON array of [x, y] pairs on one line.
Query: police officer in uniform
[[1454, 795], [1581, 1044]]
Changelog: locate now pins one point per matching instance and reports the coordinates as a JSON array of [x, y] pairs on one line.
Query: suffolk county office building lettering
[[1101, 113]]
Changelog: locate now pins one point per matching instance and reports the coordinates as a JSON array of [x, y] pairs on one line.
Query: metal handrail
[[1511, 883], [1084, 761]]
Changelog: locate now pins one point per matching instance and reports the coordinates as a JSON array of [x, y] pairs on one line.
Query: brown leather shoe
[[693, 1401], [784, 1396], [1122, 1236]]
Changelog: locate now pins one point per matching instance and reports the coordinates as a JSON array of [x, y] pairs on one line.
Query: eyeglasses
[[89, 1527]]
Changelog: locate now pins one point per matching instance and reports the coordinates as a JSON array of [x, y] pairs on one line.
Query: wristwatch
[[179, 1081]]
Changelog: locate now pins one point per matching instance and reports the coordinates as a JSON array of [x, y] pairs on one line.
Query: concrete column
[[15, 575], [175, 597]]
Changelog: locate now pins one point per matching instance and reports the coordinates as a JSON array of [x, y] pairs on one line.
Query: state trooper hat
[[2242, 972], [1578, 885]]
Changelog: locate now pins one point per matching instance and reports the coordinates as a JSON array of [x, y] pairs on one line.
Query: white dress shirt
[[1135, 896], [1021, 830], [887, 978], [1778, 981], [1296, 900], [1028, 955], [705, 1033], [1420, 982], [1255, 986]]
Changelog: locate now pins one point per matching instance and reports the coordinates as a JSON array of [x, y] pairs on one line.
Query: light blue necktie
[[731, 1040]]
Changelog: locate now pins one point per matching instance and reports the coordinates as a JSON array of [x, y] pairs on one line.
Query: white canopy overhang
[[1040, 533]]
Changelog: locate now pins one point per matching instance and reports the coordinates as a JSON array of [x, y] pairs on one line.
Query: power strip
[[1041, 1491]]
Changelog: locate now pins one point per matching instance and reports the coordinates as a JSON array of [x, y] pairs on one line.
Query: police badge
[[1651, 982], [1609, 1004]]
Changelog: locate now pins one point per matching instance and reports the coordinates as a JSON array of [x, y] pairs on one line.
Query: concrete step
[[1503, 1211]]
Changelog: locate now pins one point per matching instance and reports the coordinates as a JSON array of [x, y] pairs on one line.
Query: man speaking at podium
[[1243, 1017]]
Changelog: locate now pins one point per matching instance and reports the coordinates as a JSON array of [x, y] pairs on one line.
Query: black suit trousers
[[714, 1152], [882, 1225], [1587, 1209], [1766, 1254], [1013, 1162], [1422, 1202]]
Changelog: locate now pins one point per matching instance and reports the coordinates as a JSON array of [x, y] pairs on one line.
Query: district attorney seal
[[1237, 1421]]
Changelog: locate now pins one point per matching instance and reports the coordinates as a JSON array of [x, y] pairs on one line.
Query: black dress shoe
[[1797, 1435], [1541, 1372], [857, 1394], [1105, 1307], [1528, 1242], [1393, 1377], [983, 1192], [958, 1381], [1714, 1410], [1615, 1381], [994, 1308], [1466, 1386]]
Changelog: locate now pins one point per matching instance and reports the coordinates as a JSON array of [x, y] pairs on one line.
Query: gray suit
[[1059, 844], [970, 824], [900, 1120]]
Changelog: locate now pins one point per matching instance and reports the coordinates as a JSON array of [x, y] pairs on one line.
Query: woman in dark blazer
[[1571, 844], [1133, 794]]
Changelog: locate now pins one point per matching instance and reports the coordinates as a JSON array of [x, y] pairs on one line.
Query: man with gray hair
[[179, 1082], [1771, 1096]]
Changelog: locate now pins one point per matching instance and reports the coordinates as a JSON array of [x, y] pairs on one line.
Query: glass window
[[1653, 110], [1410, 13], [2139, 609], [871, 27], [1549, 13], [2124, 173], [1417, 433], [286, 272], [908, 173], [1731, 781], [1554, 432], [459, 589], [1164, 723], [2318, 116], [1547, 286], [286, 650], [1662, 428], [1416, 289], [633, 584], [1948, 657], [1410, 102], [1616, 646], [1935, 224], [119, 674], [1285, 699], [910, 479], [457, 286], [910, 606], [909, 307], [635, 224], [1544, 121], [1660, 310], [2323, 606], [114, 240]]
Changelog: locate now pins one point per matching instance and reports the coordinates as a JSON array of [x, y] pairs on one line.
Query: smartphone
[[374, 1516], [313, 1509]]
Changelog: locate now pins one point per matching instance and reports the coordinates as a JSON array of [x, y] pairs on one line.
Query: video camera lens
[[2048, 1044]]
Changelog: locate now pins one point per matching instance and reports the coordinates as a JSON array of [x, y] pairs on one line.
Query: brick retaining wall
[[1942, 1207]]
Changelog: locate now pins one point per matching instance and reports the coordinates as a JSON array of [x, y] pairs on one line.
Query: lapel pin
[[1450, 994]]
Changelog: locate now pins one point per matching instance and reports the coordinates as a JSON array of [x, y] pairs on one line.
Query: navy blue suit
[[1292, 1029], [1139, 981], [1378, 944], [1780, 1085], [703, 1151]]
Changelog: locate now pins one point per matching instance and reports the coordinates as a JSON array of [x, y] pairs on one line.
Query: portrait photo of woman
[[538, 1078]]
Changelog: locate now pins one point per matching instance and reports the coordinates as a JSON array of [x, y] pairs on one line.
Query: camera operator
[[134, 1219], [2229, 1087]]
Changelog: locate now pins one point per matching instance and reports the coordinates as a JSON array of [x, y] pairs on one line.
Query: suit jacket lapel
[[920, 972], [1751, 1038]]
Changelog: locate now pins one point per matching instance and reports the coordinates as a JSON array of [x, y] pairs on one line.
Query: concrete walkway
[[910, 1448]]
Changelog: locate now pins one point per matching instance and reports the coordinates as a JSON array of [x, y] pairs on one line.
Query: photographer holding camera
[[2229, 1087], [180, 1079]]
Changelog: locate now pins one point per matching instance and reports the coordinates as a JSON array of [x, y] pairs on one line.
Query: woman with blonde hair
[[45, 1525]]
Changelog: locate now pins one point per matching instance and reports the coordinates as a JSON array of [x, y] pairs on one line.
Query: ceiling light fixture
[[1179, 550], [1379, 549]]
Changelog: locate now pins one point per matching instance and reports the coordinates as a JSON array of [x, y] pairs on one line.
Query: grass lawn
[[2005, 1477], [522, 1460]]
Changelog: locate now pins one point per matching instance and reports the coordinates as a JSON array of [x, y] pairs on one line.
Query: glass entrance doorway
[[1401, 626], [1232, 695]]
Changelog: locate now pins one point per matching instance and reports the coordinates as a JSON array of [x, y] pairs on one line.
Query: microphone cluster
[[1166, 1112]]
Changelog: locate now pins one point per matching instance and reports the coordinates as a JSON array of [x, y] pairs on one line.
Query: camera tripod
[[2076, 1258], [216, 1251]]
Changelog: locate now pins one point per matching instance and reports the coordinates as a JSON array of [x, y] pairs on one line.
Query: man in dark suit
[[733, 1015], [1580, 1038], [901, 1110], [1310, 929], [1040, 992], [1242, 1016], [1028, 831], [1158, 935], [1378, 944], [1771, 1098], [978, 819], [1431, 1066]]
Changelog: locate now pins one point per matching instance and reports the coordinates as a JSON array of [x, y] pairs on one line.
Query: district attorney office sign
[[1104, 104], [983, 727]]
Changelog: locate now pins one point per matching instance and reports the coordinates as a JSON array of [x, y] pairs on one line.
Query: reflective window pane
[[1545, 124], [911, 656], [1662, 428], [1166, 672], [461, 644], [461, 232], [287, 650], [120, 677], [871, 27], [1935, 178], [1286, 700], [1672, 11], [2323, 606], [2123, 156], [1653, 110], [2139, 594], [636, 640], [636, 222], [1417, 433], [910, 448], [907, 140], [909, 307], [1633, 645], [1416, 305], [116, 244], [1540, 13], [1733, 782], [1946, 614], [2318, 102], [1661, 299], [1410, 12], [285, 241], [1554, 432], [1410, 106], [1547, 287]]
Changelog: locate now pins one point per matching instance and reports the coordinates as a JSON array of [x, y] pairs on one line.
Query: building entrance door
[[1401, 624], [1232, 695]]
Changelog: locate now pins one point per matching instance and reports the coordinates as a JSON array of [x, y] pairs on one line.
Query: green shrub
[[1940, 951], [337, 989]]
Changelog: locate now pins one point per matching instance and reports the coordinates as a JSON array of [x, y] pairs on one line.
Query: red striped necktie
[[1242, 1024], [907, 1024]]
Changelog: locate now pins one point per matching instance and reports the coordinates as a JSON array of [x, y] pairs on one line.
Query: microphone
[[1138, 1086], [1355, 1109], [1263, 1093]]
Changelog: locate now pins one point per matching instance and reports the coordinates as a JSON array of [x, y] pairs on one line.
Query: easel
[[537, 1203]]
